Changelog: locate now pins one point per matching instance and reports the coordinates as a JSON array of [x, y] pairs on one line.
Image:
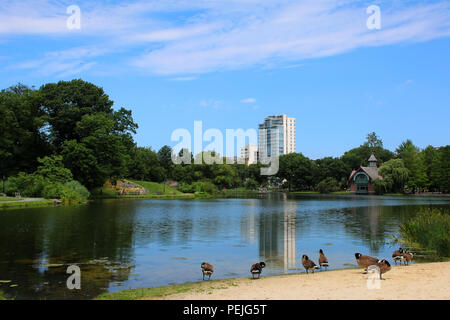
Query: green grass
[[155, 188], [27, 204], [305, 192], [239, 190], [156, 191], [158, 292], [9, 199], [430, 229]]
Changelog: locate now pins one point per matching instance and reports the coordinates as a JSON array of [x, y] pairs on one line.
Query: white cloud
[[187, 37], [215, 104], [249, 100], [183, 79]]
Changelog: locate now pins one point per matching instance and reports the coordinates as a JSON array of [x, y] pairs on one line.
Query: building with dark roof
[[360, 180]]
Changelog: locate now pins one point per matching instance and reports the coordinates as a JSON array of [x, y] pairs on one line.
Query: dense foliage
[[430, 229]]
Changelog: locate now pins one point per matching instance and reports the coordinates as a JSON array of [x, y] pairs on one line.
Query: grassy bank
[[26, 204], [3, 199], [159, 292], [430, 230], [155, 191]]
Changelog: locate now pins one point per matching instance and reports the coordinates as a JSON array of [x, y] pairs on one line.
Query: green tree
[[52, 168], [328, 185], [410, 154], [333, 168], [23, 136], [165, 159], [394, 174], [298, 170]]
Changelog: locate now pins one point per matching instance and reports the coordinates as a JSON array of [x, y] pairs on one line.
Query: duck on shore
[[257, 269], [207, 269], [308, 264], [365, 261], [384, 266], [406, 257], [397, 255], [323, 261]]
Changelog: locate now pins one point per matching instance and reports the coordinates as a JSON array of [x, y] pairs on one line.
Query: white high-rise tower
[[276, 137]]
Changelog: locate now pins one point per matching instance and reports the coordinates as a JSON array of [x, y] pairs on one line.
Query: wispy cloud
[[188, 37], [249, 100], [183, 79], [210, 103]]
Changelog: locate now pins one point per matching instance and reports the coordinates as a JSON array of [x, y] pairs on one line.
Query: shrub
[[251, 184], [430, 229], [28, 185], [328, 185], [380, 186], [199, 186]]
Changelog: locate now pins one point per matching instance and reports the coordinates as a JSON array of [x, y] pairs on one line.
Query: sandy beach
[[417, 281]]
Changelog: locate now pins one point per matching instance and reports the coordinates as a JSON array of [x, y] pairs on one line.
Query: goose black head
[[385, 262], [358, 255], [305, 257], [262, 264], [320, 251]]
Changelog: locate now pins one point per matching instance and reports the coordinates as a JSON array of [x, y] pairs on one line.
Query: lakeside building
[[276, 136], [361, 180], [249, 154]]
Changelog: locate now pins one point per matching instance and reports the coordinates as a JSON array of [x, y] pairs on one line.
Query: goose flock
[[366, 262]]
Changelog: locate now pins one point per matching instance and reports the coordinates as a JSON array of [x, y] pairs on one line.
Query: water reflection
[[141, 243]]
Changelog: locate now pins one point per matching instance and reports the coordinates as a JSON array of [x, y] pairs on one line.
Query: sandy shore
[[416, 281]]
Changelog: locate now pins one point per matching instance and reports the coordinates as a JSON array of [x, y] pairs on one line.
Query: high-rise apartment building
[[276, 137], [249, 154]]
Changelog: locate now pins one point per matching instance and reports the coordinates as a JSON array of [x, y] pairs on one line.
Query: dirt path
[[416, 281]]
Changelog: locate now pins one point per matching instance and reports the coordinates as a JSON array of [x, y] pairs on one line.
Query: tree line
[[66, 138]]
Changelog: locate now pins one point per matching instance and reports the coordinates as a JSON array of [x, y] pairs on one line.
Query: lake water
[[121, 244]]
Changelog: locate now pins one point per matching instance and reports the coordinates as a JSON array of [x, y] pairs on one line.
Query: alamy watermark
[[74, 281], [214, 152], [373, 280], [374, 20], [74, 21]]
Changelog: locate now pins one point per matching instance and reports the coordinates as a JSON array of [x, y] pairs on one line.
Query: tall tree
[[22, 130], [298, 170]]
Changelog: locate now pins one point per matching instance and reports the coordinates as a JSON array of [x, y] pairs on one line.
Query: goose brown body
[[397, 255], [308, 264], [323, 261], [207, 269], [406, 257], [365, 261], [257, 269], [384, 266]]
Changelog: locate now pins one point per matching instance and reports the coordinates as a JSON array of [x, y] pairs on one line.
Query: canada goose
[[397, 255], [207, 269], [308, 264], [384, 267], [365, 261], [323, 261], [406, 257], [257, 269]]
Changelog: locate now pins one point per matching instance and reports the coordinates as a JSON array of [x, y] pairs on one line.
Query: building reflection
[[277, 241]]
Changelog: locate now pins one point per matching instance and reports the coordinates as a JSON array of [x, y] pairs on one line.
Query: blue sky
[[231, 63]]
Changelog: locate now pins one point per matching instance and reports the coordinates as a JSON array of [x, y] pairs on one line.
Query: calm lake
[[121, 244]]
